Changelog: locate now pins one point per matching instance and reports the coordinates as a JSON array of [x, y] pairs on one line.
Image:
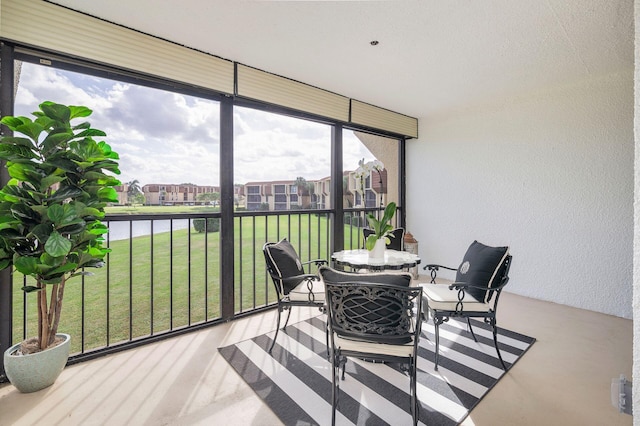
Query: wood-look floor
[[564, 379]]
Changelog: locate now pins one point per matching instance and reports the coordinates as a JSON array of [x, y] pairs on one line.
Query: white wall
[[550, 175], [636, 251]]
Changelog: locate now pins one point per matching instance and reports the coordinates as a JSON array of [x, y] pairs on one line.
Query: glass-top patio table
[[359, 259]]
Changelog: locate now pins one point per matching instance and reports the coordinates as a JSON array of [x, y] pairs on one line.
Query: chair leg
[[495, 343], [343, 364], [437, 322], [288, 315], [273, 342], [326, 339], [415, 408], [335, 385], [471, 330]]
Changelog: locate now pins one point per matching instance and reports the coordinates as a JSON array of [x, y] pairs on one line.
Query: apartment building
[[156, 194], [315, 194]]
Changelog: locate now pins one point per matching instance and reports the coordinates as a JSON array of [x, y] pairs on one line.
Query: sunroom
[[505, 123]]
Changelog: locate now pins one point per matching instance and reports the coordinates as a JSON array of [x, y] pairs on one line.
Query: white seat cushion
[[439, 297], [301, 292], [404, 350]]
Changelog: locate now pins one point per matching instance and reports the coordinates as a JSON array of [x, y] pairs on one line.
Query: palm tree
[[133, 189], [303, 188]]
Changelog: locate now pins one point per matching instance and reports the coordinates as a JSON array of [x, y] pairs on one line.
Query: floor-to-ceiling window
[[282, 165], [370, 180], [162, 273]]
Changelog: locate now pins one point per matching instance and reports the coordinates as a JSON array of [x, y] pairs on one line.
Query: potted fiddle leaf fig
[[61, 179]]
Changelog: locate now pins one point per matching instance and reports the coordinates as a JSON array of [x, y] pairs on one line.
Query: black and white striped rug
[[295, 380]]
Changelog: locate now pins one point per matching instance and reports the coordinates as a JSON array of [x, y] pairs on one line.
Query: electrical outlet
[[621, 394]]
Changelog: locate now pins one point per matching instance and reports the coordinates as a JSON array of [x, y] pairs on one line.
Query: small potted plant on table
[[377, 241]]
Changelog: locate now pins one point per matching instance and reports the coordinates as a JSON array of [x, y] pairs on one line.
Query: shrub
[[212, 224]]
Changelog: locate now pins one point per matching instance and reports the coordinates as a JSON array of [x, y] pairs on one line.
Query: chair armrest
[[317, 262], [463, 286], [460, 286], [299, 278], [433, 270]]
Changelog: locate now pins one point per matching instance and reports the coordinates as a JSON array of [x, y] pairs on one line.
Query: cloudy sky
[[165, 137]]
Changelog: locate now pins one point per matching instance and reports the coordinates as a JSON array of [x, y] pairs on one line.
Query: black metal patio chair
[[375, 317], [480, 278], [294, 287]]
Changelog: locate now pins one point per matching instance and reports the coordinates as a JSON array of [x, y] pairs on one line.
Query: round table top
[[393, 259]]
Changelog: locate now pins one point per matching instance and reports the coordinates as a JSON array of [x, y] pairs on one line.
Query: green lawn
[[177, 276]]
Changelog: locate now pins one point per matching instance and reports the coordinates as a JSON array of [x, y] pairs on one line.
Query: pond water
[[120, 230]]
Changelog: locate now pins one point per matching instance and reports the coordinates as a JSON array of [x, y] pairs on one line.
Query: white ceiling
[[433, 57]]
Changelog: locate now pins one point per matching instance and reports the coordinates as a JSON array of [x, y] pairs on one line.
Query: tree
[[133, 189], [138, 199], [303, 187], [209, 197], [51, 208]]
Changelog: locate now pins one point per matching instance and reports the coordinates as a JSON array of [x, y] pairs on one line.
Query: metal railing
[[162, 276]]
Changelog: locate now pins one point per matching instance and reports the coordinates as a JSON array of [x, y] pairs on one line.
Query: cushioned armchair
[[480, 278], [373, 316], [293, 286]]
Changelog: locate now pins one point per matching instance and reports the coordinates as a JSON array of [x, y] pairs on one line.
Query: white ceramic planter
[[378, 250], [30, 373]]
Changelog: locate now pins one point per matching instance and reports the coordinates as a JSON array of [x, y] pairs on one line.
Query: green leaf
[[64, 193], [31, 129], [63, 164], [57, 245], [29, 289], [48, 181], [381, 228], [89, 211], [79, 111], [11, 234], [44, 121], [108, 194], [47, 259], [41, 232], [83, 125], [67, 267], [106, 149], [26, 265], [13, 122], [55, 213], [99, 252], [55, 140], [83, 273], [53, 280], [73, 228], [4, 263], [389, 211], [55, 111], [99, 231], [22, 171], [90, 133], [14, 140], [24, 213], [94, 263], [18, 193], [370, 242], [374, 224]]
